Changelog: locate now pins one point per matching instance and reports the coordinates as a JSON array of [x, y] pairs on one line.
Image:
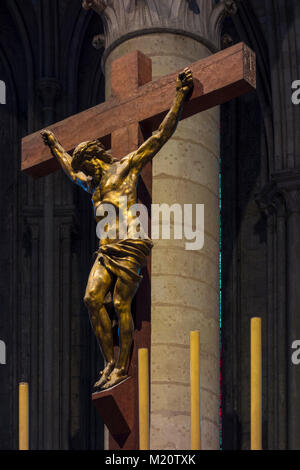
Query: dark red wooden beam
[[218, 78]]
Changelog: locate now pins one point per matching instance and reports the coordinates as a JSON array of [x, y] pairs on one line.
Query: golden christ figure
[[116, 270]]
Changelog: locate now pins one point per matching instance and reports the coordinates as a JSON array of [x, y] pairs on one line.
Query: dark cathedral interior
[[51, 71]]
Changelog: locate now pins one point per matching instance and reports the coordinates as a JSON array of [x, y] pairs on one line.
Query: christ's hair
[[89, 150]]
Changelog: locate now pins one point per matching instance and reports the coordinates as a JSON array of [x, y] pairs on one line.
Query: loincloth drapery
[[125, 258]]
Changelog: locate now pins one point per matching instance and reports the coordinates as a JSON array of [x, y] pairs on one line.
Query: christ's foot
[[105, 373], [117, 376]]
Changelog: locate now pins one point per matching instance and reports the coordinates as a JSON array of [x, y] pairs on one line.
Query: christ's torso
[[118, 187]]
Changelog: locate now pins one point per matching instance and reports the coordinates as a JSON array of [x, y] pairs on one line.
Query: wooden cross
[[137, 107]]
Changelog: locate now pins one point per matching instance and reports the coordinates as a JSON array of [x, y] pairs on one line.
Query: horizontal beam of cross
[[218, 78]]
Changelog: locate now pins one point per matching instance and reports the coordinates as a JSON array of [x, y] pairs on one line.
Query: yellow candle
[[195, 389], [256, 385], [144, 399], [23, 417]]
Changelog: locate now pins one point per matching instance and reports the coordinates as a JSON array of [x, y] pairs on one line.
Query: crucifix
[[137, 107]]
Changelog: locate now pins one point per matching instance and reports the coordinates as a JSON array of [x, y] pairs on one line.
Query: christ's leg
[[100, 281], [123, 295]]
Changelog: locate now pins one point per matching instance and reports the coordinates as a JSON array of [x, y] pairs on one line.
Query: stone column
[[48, 90], [280, 201], [272, 204], [185, 284], [292, 196]]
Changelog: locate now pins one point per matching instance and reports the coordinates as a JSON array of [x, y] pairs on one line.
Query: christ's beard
[[96, 174]]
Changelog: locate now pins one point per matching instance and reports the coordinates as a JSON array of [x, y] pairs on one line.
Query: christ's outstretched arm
[[150, 147], [64, 159]]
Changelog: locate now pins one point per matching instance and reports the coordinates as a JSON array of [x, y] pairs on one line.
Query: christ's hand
[[64, 159], [185, 82], [48, 138]]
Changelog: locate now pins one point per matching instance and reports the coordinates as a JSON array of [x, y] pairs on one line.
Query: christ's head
[[91, 158]]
